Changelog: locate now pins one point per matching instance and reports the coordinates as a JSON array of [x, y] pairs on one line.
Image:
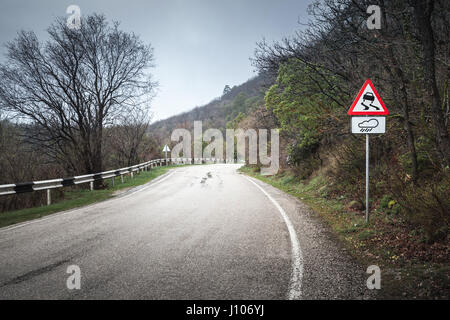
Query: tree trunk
[[97, 159], [404, 102], [422, 13]]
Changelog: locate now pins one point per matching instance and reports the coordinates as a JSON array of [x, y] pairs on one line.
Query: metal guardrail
[[24, 187]]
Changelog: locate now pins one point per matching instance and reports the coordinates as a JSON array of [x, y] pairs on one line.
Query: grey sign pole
[[367, 178], [166, 156]]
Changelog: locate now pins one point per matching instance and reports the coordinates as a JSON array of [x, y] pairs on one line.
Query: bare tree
[[74, 85], [128, 140]]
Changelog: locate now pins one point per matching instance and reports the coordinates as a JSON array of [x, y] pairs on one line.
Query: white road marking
[[56, 214], [295, 285]]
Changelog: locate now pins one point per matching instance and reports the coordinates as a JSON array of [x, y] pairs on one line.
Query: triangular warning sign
[[368, 102]]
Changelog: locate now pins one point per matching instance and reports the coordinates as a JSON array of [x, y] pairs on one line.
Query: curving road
[[198, 232]]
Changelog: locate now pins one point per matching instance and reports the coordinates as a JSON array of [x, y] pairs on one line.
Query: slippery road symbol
[[368, 125], [369, 97]]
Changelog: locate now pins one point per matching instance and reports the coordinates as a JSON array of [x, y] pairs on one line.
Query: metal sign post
[[368, 125], [368, 104], [367, 178]]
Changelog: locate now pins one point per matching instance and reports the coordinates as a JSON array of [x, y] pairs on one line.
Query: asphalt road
[[198, 232]]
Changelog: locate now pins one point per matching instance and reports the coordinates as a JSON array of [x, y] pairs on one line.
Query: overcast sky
[[200, 45]]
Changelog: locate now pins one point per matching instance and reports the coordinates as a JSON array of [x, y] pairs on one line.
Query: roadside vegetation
[[318, 73], [410, 267], [69, 198]]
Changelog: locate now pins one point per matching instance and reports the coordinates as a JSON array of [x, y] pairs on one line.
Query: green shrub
[[389, 205], [384, 202], [425, 204]]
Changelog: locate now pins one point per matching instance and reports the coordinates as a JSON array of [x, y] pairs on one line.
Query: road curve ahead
[[198, 232]]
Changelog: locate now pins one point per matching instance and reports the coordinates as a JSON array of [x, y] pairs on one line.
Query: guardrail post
[[121, 177], [113, 178], [92, 185], [131, 173], [49, 197]]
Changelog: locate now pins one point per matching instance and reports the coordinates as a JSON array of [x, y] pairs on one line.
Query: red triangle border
[[368, 113]]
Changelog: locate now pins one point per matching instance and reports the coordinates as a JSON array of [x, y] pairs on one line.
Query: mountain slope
[[238, 100]]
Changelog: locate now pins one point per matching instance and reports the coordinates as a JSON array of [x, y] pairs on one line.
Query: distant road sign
[[368, 125], [166, 148], [368, 102]]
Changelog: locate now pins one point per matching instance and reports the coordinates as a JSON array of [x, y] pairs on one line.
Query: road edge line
[[295, 284]]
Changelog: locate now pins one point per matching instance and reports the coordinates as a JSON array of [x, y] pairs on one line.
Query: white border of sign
[[368, 125]]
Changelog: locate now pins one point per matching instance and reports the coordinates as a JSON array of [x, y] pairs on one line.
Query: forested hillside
[[236, 103], [319, 72]]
